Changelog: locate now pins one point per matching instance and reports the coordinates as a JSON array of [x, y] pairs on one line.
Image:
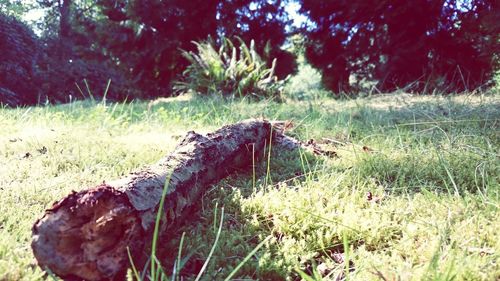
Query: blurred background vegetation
[[56, 51]]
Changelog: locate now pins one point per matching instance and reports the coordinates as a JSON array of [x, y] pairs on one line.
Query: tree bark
[[86, 234]]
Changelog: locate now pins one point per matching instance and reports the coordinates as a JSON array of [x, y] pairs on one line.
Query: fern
[[228, 71]]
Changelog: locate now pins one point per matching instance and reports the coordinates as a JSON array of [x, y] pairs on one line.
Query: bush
[[34, 70], [66, 64], [230, 71], [19, 51], [63, 81]]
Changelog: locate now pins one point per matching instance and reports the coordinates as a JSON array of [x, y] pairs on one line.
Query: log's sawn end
[[86, 235]]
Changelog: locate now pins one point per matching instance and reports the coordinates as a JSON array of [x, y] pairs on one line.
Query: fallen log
[[86, 234]]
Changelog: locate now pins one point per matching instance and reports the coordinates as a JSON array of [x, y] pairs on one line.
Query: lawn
[[412, 193]]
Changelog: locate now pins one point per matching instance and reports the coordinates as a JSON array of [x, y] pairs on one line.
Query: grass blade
[[157, 227], [134, 269], [106, 91], [204, 267]]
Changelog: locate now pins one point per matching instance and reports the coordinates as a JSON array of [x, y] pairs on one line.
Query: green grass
[[433, 161]]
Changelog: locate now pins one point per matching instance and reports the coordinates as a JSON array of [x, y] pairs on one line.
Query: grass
[[413, 194]]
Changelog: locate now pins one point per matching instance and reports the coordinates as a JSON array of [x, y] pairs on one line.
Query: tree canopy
[[421, 46]]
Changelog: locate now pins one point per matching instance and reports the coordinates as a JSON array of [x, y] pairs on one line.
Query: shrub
[[34, 70], [19, 49], [230, 71], [63, 81]]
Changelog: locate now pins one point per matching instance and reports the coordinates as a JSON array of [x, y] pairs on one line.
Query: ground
[[411, 193]]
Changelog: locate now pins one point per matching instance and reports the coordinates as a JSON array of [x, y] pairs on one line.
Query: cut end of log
[[86, 235]]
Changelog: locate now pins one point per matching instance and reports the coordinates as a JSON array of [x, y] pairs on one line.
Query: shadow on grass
[[237, 239], [446, 146]]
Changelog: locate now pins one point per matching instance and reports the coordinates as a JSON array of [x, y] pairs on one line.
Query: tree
[[264, 22], [72, 58], [465, 51], [145, 37], [412, 44], [137, 44]]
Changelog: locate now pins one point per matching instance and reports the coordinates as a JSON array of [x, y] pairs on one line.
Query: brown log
[[86, 234]]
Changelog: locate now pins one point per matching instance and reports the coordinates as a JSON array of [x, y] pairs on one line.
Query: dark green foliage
[[60, 77], [146, 37], [19, 52], [7, 97], [229, 71], [72, 57], [422, 45], [286, 62], [265, 23], [34, 70], [137, 44]]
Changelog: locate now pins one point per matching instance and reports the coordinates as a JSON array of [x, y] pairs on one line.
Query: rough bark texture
[[86, 234]]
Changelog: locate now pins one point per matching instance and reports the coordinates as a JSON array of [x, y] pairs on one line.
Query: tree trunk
[[64, 19], [86, 234]]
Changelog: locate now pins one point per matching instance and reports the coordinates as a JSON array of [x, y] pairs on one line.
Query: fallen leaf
[[374, 199], [367, 149], [42, 150], [324, 269], [369, 196]]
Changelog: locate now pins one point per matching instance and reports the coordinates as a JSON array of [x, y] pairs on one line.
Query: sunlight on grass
[[412, 194]]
